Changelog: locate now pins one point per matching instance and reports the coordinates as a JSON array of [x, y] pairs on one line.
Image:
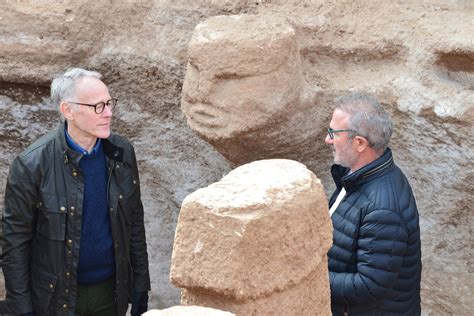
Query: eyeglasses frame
[[95, 105], [331, 132]]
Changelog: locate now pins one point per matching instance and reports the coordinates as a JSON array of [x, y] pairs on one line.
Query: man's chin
[[341, 163], [103, 134]]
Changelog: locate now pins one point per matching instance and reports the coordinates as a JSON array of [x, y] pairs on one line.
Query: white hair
[[63, 86]]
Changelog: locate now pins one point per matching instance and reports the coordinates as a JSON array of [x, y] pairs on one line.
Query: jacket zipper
[[108, 182]]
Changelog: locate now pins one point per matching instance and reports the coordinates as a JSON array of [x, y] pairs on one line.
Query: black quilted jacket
[[375, 259]]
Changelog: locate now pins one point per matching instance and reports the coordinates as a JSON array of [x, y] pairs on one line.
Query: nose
[[205, 88], [328, 140], [107, 112], [198, 86]]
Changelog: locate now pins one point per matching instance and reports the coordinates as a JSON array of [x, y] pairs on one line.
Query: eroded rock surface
[[255, 242]]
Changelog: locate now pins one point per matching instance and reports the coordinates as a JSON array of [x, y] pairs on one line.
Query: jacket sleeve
[[138, 248], [380, 248], [19, 222]]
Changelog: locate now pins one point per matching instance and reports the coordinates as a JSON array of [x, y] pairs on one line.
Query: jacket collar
[[381, 165], [112, 151]]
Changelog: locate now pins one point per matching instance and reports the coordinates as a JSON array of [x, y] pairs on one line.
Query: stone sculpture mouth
[[206, 115]]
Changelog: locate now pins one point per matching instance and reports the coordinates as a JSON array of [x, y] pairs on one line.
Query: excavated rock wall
[[417, 57]]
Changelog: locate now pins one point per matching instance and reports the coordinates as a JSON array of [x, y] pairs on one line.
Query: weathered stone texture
[[245, 90], [416, 57], [255, 242], [187, 311]]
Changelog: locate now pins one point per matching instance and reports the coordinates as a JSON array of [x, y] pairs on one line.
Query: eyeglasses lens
[[111, 103], [99, 107], [330, 133]]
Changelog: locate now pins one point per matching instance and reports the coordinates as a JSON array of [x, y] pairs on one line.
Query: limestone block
[[256, 242], [187, 311]]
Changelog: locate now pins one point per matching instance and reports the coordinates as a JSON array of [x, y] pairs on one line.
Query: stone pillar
[[255, 243]]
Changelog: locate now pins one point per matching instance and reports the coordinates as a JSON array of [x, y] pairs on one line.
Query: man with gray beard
[[375, 259]]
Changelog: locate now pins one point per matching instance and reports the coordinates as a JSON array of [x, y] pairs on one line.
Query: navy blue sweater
[[96, 257]]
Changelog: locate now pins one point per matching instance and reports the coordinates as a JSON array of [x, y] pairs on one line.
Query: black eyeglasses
[[332, 131], [100, 106]]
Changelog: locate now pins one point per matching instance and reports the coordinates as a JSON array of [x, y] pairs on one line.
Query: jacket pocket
[[42, 287], [52, 217], [129, 200]]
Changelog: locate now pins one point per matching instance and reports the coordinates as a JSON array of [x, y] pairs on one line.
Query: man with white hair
[[375, 259], [74, 236]]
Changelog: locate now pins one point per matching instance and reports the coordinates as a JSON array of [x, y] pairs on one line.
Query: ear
[[361, 143], [66, 110]]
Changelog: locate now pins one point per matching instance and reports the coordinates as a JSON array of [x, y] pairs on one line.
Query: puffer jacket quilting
[[375, 259]]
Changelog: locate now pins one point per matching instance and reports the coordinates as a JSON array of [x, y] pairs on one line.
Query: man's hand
[[139, 303]]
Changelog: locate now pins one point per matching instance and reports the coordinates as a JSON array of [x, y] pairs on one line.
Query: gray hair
[[367, 118], [63, 86]]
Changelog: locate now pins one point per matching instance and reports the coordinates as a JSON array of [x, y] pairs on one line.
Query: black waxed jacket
[[375, 259], [42, 226]]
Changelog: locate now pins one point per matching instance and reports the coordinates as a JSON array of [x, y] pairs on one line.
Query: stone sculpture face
[[238, 79]]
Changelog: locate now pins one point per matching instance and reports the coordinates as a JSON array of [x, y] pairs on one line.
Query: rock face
[[255, 242], [416, 57]]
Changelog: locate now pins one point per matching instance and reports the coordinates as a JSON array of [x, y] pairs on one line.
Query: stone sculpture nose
[[204, 88], [198, 85]]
